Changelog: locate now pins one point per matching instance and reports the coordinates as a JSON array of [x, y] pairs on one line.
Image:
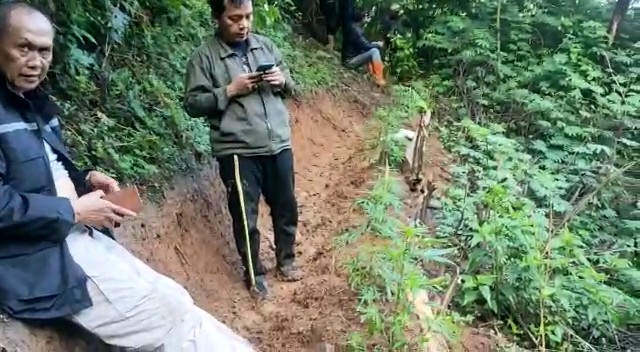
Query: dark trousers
[[273, 177], [329, 10]]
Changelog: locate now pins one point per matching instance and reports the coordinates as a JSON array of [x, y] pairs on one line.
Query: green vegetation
[[385, 271], [118, 74], [541, 111], [540, 108]]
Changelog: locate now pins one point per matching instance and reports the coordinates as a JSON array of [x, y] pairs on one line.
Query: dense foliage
[[542, 215], [118, 74], [543, 114], [390, 271]]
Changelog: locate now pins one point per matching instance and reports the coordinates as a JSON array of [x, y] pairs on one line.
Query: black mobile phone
[[262, 68]]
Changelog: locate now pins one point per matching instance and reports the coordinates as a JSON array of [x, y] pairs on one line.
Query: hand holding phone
[[274, 76], [264, 67], [243, 84], [93, 210]]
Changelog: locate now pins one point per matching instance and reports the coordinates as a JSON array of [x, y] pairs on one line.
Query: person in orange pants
[[357, 51]]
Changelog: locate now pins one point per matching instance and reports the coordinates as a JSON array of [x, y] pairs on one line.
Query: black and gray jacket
[[38, 277], [354, 42]]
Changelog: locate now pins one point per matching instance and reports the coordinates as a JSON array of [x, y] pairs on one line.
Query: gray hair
[[6, 9]]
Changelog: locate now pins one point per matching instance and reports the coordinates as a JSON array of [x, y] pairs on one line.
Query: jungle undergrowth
[[118, 75], [391, 253], [540, 110]]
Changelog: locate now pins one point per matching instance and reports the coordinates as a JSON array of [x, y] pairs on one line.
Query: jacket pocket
[[279, 117], [244, 123], [34, 275], [29, 176], [28, 170], [228, 125]]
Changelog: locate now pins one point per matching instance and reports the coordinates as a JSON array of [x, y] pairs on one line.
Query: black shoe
[[289, 272], [260, 290]]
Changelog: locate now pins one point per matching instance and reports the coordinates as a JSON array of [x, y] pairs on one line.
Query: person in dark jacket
[[357, 51], [54, 262], [250, 134]]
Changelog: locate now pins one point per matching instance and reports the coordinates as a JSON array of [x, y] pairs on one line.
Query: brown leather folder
[[127, 197]]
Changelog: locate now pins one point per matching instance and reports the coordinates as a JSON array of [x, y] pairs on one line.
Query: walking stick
[[236, 166]]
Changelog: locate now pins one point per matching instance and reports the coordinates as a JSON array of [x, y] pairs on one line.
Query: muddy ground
[[327, 138], [188, 238]]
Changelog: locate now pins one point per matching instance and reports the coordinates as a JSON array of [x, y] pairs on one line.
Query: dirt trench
[[188, 238]]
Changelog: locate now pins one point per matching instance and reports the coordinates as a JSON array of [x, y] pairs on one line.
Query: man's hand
[[243, 84], [274, 77], [378, 44], [92, 210], [102, 182]]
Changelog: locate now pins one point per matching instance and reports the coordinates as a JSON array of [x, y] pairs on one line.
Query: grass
[[388, 272]]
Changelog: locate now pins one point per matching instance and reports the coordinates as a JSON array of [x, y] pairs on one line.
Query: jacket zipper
[[264, 107], [39, 134], [266, 118]]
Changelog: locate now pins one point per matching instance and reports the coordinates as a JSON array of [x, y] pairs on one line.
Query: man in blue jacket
[[53, 261], [358, 51]]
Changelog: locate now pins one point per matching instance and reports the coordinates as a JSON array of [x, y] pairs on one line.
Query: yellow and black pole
[[236, 166]]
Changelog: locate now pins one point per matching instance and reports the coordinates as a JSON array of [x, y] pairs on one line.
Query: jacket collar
[[226, 50], [37, 100]]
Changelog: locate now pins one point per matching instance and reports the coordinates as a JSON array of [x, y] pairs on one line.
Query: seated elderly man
[[54, 263]]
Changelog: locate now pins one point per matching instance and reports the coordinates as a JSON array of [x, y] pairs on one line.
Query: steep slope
[[188, 237]]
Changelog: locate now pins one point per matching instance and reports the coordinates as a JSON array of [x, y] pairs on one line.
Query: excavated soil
[[189, 237]]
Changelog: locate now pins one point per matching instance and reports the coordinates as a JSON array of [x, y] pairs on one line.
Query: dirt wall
[[188, 238]]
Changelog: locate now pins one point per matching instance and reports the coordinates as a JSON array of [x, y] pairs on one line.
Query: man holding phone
[[238, 81]]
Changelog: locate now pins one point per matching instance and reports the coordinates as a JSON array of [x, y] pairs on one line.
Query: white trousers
[[138, 309]]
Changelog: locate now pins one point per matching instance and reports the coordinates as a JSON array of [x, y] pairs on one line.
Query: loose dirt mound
[[188, 237]]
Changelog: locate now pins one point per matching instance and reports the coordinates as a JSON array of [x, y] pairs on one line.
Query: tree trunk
[[619, 11], [312, 19]]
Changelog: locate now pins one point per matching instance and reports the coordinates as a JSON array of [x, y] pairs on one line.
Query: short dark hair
[[358, 15], [6, 9], [219, 6]]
